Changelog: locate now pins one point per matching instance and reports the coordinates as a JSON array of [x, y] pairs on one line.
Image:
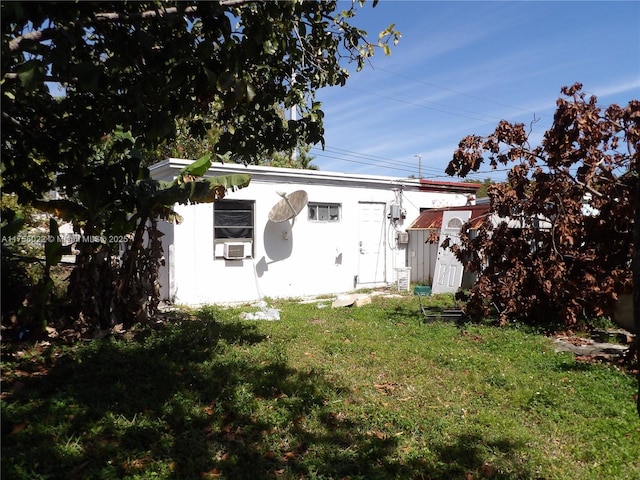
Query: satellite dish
[[290, 206]]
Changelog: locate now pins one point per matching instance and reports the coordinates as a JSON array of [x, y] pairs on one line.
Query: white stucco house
[[350, 232]]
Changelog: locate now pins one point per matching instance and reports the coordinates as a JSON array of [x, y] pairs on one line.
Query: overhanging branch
[[49, 33], [20, 126], [142, 15], [35, 36]]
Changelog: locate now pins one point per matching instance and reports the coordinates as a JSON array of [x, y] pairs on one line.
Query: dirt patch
[[588, 346], [620, 349]]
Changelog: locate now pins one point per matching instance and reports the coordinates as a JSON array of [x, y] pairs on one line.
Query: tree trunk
[[92, 285], [138, 290]]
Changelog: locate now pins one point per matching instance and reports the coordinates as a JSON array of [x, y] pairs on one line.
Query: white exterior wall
[[316, 257]]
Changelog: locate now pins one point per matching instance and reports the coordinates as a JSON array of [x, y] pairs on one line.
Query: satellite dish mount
[[288, 208]]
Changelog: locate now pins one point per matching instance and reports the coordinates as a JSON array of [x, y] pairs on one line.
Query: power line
[[492, 122], [395, 99], [371, 160], [404, 166], [382, 162], [397, 165], [377, 159], [454, 91], [370, 164]]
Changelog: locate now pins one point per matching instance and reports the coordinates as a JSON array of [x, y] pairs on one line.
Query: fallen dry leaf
[[18, 428], [386, 388], [209, 409], [377, 433], [213, 473], [488, 470]]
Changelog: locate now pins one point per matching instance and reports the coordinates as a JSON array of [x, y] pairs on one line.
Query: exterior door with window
[[449, 271], [371, 243]]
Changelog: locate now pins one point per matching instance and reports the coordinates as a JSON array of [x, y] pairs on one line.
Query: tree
[[297, 158], [187, 145], [483, 191], [138, 66], [88, 87], [575, 201], [559, 243]]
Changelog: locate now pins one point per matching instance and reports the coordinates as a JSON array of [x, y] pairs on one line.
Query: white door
[[448, 272], [371, 243]]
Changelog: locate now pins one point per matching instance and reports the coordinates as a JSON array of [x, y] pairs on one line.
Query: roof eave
[[430, 185]]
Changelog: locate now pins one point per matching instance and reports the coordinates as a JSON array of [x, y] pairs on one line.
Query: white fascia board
[[168, 169]]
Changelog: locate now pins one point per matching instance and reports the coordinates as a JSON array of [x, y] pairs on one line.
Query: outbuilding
[[295, 233], [424, 253]]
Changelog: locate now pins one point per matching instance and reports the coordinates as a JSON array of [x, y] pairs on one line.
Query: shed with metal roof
[[422, 254]]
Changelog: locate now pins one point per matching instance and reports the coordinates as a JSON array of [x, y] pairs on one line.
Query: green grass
[[358, 393]]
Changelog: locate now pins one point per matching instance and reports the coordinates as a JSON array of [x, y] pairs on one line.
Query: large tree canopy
[[562, 241], [90, 88], [139, 65], [559, 242]]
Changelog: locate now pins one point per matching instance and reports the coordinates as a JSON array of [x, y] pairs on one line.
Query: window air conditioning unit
[[234, 251]]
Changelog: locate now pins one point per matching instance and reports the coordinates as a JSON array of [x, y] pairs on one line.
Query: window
[[232, 222], [454, 223], [324, 212]]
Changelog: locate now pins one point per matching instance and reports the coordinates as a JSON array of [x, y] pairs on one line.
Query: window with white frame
[[233, 222], [324, 212]]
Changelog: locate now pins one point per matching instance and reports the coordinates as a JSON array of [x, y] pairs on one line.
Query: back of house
[[294, 233]]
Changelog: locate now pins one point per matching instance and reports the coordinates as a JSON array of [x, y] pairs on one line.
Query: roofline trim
[[278, 174]]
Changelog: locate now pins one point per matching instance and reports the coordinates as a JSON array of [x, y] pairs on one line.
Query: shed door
[[448, 273], [371, 243]]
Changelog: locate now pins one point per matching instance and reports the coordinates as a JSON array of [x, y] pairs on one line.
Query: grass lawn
[[349, 393]]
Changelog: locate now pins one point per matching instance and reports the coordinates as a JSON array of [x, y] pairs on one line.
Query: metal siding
[[424, 261]]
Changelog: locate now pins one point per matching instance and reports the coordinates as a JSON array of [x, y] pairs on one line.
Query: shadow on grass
[[466, 457], [181, 403]]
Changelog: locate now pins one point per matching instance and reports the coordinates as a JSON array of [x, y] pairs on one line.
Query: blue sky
[[461, 67]]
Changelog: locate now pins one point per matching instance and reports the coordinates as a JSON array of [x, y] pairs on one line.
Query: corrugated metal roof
[[427, 185], [432, 218]]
